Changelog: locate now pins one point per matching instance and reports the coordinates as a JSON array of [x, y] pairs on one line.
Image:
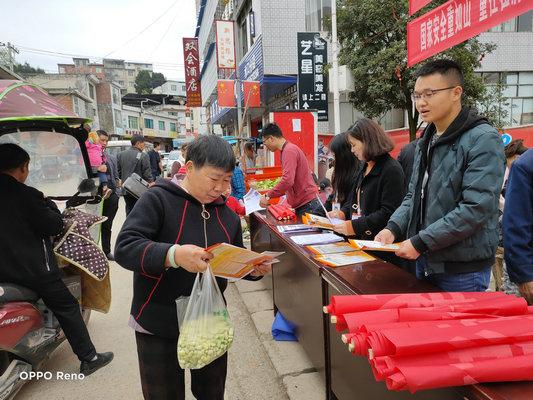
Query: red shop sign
[[456, 21], [191, 60]]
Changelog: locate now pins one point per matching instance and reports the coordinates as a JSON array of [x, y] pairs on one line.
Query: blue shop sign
[[251, 66]]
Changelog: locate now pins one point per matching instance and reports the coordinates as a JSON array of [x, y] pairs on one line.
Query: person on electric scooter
[[27, 258]]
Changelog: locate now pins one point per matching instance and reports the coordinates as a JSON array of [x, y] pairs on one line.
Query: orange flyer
[[235, 262]]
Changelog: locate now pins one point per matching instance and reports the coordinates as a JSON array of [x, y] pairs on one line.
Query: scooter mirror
[[87, 186]]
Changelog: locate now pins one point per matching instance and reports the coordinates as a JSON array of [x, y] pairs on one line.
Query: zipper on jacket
[[205, 216], [46, 256]]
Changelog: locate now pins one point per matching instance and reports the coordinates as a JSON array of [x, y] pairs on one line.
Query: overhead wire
[[144, 30]]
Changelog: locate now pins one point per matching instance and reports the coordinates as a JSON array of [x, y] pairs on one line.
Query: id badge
[[336, 206]]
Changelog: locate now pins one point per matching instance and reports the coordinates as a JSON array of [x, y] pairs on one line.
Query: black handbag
[[135, 185]]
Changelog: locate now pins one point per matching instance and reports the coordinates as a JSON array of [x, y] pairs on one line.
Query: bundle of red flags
[[417, 341], [281, 212]]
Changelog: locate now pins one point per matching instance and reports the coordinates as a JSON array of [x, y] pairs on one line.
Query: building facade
[[75, 91], [266, 51], [173, 88]]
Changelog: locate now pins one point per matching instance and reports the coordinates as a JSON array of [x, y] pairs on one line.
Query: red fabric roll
[[518, 368], [341, 305], [504, 306], [451, 335], [386, 366], [357, 303]]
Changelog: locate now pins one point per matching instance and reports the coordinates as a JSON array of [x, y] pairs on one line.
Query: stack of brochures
[[321, 222], [338, 254], [296, 228], [304, 240]]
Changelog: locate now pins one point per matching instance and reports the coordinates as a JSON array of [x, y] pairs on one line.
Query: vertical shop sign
[[312, 83]]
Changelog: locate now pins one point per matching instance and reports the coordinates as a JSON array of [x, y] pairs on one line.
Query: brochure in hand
[[235, 262]]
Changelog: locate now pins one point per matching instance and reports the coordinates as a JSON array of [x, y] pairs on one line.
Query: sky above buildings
[[134, 30]]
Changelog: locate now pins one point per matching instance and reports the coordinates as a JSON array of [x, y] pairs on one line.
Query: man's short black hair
[[156, 144], [137, 139], [211, 151], [447, 68], [272, 129], [12, 156], [101, 132]]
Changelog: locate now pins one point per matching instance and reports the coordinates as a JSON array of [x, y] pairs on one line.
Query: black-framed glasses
[[428, 94]]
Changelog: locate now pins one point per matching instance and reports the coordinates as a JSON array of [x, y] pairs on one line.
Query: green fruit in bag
[[203, 340]]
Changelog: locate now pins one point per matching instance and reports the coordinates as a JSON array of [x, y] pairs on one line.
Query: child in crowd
[[97, 158]]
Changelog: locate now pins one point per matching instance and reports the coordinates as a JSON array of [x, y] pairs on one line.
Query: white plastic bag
[[206, 331]]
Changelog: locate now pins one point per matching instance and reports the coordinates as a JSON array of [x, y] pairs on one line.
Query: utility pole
[[335, 70], [10, 60]]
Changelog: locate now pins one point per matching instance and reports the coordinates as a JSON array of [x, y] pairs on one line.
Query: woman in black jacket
[[346, 169], [379, 188]]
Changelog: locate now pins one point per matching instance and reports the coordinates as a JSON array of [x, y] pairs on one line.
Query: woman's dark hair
[[12, 156], [346, 167], [211, 151], [516, 147], [374, 138]]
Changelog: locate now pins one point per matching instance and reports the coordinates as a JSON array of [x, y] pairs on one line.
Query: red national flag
[[456, 21], [226, 93], [415, 5], [252, 94]]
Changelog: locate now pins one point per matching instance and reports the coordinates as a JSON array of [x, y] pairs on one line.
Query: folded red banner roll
[[518, 368], [386, 366], [356, 303], [341, 305], [451, 335]]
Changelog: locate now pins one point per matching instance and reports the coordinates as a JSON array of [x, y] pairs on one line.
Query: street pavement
[[251, 373]]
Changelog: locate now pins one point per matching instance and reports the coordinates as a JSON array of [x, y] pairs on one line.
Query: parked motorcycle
[[29, 332]]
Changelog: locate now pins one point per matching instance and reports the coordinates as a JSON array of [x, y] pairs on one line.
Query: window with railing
[[522, 23], [316, 14], [149, 123], [133, 122], [518, 89]]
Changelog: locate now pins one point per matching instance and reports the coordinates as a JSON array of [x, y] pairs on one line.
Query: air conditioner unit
[[345, 79]]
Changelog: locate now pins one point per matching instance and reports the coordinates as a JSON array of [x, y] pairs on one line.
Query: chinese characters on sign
[[225, 45], [456, 21], [192, 72], [312, 84]]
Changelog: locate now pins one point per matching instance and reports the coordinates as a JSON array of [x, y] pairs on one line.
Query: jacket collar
[[378, 166]]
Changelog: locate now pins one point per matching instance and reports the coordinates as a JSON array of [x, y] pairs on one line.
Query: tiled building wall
[[280, 21], [514, 52]]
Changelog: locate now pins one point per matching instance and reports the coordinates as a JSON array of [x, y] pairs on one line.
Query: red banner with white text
[[192, 72], [456, 21], [415, 5]]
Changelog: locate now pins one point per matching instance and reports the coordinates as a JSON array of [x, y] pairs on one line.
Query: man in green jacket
[[450, 212]]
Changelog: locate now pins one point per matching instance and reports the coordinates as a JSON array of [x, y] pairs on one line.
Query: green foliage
[[26, 70], [494, 105], [146, 81], [158, 79], [373, 40], [143, 82]]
